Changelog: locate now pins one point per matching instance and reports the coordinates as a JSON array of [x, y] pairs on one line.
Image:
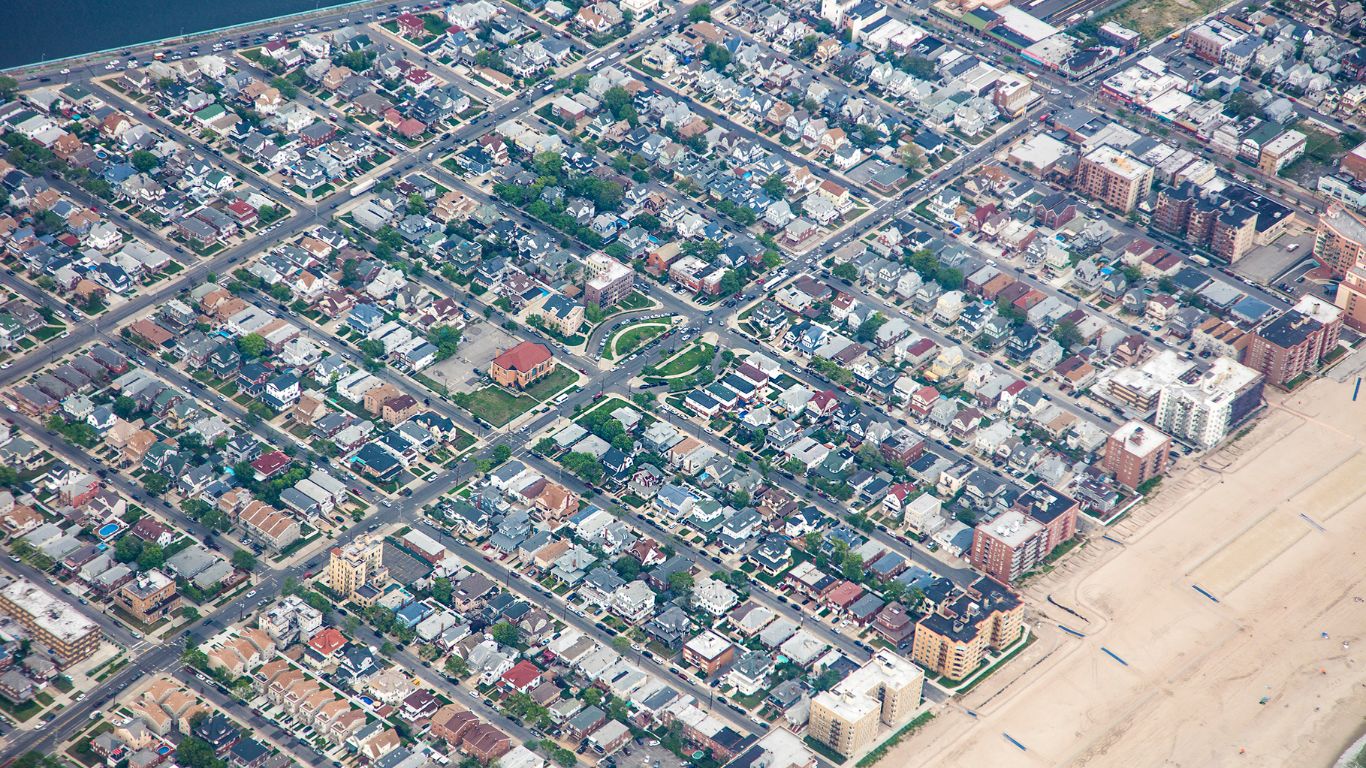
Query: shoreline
[[1283, 694], [36, 66]]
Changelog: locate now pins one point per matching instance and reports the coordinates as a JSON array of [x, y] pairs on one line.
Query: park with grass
[[498, 406], [632, 336]]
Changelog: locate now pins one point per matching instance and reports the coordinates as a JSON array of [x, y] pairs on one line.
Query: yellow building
[[355, 565], [954, 641], [884, 692]]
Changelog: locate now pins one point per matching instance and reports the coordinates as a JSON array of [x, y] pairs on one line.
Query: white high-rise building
[[1203, 412]]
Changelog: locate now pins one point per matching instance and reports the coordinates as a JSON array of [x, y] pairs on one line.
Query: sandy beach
[[1198, 668]]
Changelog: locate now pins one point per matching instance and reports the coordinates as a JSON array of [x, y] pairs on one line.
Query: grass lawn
[[610, 403], [550, 385], [634, 336], [497, 406], [698, 354]]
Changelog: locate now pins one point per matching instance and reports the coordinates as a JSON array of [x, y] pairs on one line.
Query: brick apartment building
[[1136, 453], [1113, 178], [149, 597], [1229, 231], [51, 621], [1296, 342], [1022, 537], [1234, 233], [1340, 243], [606, 280]]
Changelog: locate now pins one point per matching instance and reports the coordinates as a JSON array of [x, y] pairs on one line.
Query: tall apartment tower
[[1296, 342], [1136, 453], [1203, 412], [353, 566], [1113, 178]]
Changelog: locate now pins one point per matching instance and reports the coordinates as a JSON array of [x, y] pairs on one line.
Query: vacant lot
[[689, 360], [1159, 18], [479, 343], [1249, 680]]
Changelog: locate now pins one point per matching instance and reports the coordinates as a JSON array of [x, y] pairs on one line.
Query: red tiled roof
[[523, 357], [327, 641], [271, 463], [521, 675]]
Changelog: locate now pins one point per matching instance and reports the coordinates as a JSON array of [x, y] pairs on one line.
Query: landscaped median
[[498, 406], [692, 357], [632, 336]]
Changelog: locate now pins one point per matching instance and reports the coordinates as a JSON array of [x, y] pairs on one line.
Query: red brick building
[[1136, 453], [522, 365], [1296, 342]]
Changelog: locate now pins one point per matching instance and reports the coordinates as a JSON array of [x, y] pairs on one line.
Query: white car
[[251, 594]]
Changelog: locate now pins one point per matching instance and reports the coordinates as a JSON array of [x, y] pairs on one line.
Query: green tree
[[700, 12], [505, 633], [143, 160], [500, 454], [1067, 334], [251, 345], [446, 339], [243, 560], [627, 567], [584, 466], [846, 272], [371, 348], [8, 88], [152, 556], [592, 696], [681, 582], [456, 667], [716, 55], [156, 484], [775, 187], [285, 87], [867, 330], [194, 752], [127, 548], [441, 590]]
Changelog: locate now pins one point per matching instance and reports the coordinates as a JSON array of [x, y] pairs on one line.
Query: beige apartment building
[[884, 692], [954, 641], [355, 565]]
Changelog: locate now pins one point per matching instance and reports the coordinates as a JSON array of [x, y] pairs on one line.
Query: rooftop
[[1140, 439], [50, 613]]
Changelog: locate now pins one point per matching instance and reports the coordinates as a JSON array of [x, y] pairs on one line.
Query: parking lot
[[481, 342]]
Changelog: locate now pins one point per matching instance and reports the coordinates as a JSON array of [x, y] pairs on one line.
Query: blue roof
[[1252, 308]]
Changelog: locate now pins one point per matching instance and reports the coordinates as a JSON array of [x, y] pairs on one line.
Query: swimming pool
[[107, 530]]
